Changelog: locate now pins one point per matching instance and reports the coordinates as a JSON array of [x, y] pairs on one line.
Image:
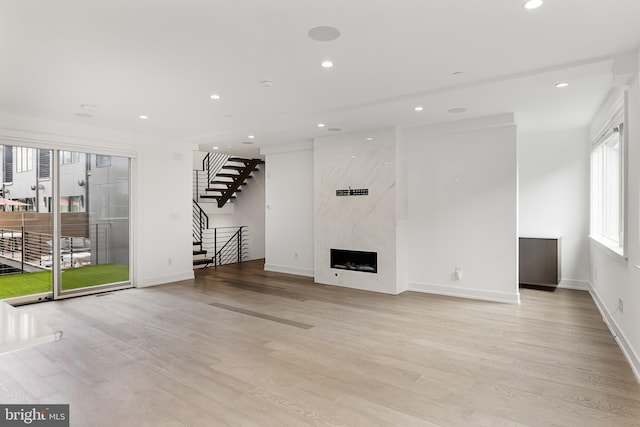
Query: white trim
[[621, 339], [477, 294], [611, 250], [296, 271], [65, 143], [578, 285], [169, 278]]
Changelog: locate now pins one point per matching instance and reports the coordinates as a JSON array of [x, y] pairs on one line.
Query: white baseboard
[[478, 294], [621, 339], [289, 270], [161, 280], [578, 285]]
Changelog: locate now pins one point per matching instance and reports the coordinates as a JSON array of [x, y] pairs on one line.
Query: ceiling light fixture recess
[[533, 4], [215, 148], [251, 136], [323, 33], [369, 138], [214, 96], [144, 117], [562, 84], [320, 125], [327, 64], [418, 108]]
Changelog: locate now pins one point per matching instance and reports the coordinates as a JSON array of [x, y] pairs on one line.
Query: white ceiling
[[163, 58]]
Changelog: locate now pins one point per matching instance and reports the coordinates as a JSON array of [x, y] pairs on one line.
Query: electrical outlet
[[620, 305], [458, 273]]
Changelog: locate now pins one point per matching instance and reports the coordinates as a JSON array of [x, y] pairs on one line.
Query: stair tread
[[226, 182], [201, 261], [219, 189], [205, 196], [199, 252]]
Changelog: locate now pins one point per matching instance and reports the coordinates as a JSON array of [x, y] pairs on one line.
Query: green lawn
[[15, 285]]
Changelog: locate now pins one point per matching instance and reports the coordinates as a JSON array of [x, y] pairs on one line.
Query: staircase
[[225, 183], [220, 181]]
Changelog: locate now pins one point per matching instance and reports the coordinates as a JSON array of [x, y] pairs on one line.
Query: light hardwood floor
[[239, 346]]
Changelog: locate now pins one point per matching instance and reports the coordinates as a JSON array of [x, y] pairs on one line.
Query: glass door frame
[[56, 292]]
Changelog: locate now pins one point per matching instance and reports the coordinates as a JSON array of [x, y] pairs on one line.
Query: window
[[44, 164], [24, 159], [69, 157], [102, 161], [608, 188], [7, 160]]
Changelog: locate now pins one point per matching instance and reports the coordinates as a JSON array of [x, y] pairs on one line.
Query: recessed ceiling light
[[353, 157], [369, 139], [251, 136], [562, 84], [418, 108], [320, 125], [143, 117], [266, 83], [214, 96], [327, 64], [457, 110], [324, 34], [532, 4], [216, 148]]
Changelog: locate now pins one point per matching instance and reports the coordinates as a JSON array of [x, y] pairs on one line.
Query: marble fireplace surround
[[364, 223]]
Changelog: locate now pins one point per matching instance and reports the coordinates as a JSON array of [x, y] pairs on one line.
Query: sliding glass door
[[94, 214], [64, 223]]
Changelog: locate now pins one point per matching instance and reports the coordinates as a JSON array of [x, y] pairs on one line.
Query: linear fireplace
[[354, 260]]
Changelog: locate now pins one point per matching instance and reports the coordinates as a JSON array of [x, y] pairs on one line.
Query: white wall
[[462, 212], [161, 220], [289, 209], [612, 276], [247, 209], [553, 173]]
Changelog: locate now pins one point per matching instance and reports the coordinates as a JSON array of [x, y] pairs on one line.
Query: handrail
[[200, 222], [227, 244], [238, 236], [212, 164]]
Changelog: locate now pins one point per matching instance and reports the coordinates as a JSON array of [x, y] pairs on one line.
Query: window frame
[[599, 179]]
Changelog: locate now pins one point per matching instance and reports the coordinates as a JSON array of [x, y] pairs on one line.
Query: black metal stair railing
[[231, 251], [200, 222]]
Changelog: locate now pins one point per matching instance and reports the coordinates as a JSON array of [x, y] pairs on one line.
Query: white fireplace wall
[[360, 223]]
